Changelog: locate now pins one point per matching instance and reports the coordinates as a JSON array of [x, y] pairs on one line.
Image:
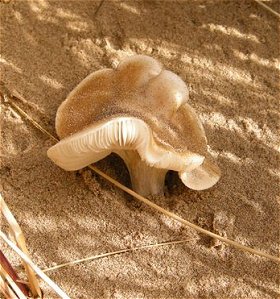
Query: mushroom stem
[[145, 180]]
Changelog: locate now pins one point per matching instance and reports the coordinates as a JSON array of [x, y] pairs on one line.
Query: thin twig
[[168, 213], [268, 8], [35, 124], [98, 8], [95, 257], [39, 272], [183, 221]]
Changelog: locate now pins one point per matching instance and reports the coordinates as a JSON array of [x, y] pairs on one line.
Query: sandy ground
[[228, 53]]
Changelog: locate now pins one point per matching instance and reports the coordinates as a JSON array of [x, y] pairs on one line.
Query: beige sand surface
[[228, 53]]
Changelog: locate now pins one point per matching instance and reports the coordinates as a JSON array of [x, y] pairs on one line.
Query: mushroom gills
[[133, 141], [95, 143], [123, 133]]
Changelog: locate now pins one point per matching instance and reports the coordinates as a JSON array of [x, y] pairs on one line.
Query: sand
[[228, 53]]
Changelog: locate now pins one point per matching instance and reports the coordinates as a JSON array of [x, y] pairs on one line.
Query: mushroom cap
[[146, 108]]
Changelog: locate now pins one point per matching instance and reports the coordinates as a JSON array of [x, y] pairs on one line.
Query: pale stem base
[[145, 180]]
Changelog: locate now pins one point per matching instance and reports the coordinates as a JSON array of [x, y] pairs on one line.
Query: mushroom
[[140, 112]]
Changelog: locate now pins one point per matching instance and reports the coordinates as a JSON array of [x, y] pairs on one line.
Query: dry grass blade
[[36, 269], [98, 8], [95, 257], [268, 8], [35, 124], [183, 221], [5, 265], [6, 290], [164, 211], [11, 283], [20, 240]]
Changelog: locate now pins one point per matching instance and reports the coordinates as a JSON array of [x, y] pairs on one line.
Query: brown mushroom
[[140, 112]]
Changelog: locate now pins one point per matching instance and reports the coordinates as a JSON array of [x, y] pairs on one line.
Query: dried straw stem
[[20, 240], [158, 208], [36, 269], [5, 265], [6, 290], [10, 283]]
